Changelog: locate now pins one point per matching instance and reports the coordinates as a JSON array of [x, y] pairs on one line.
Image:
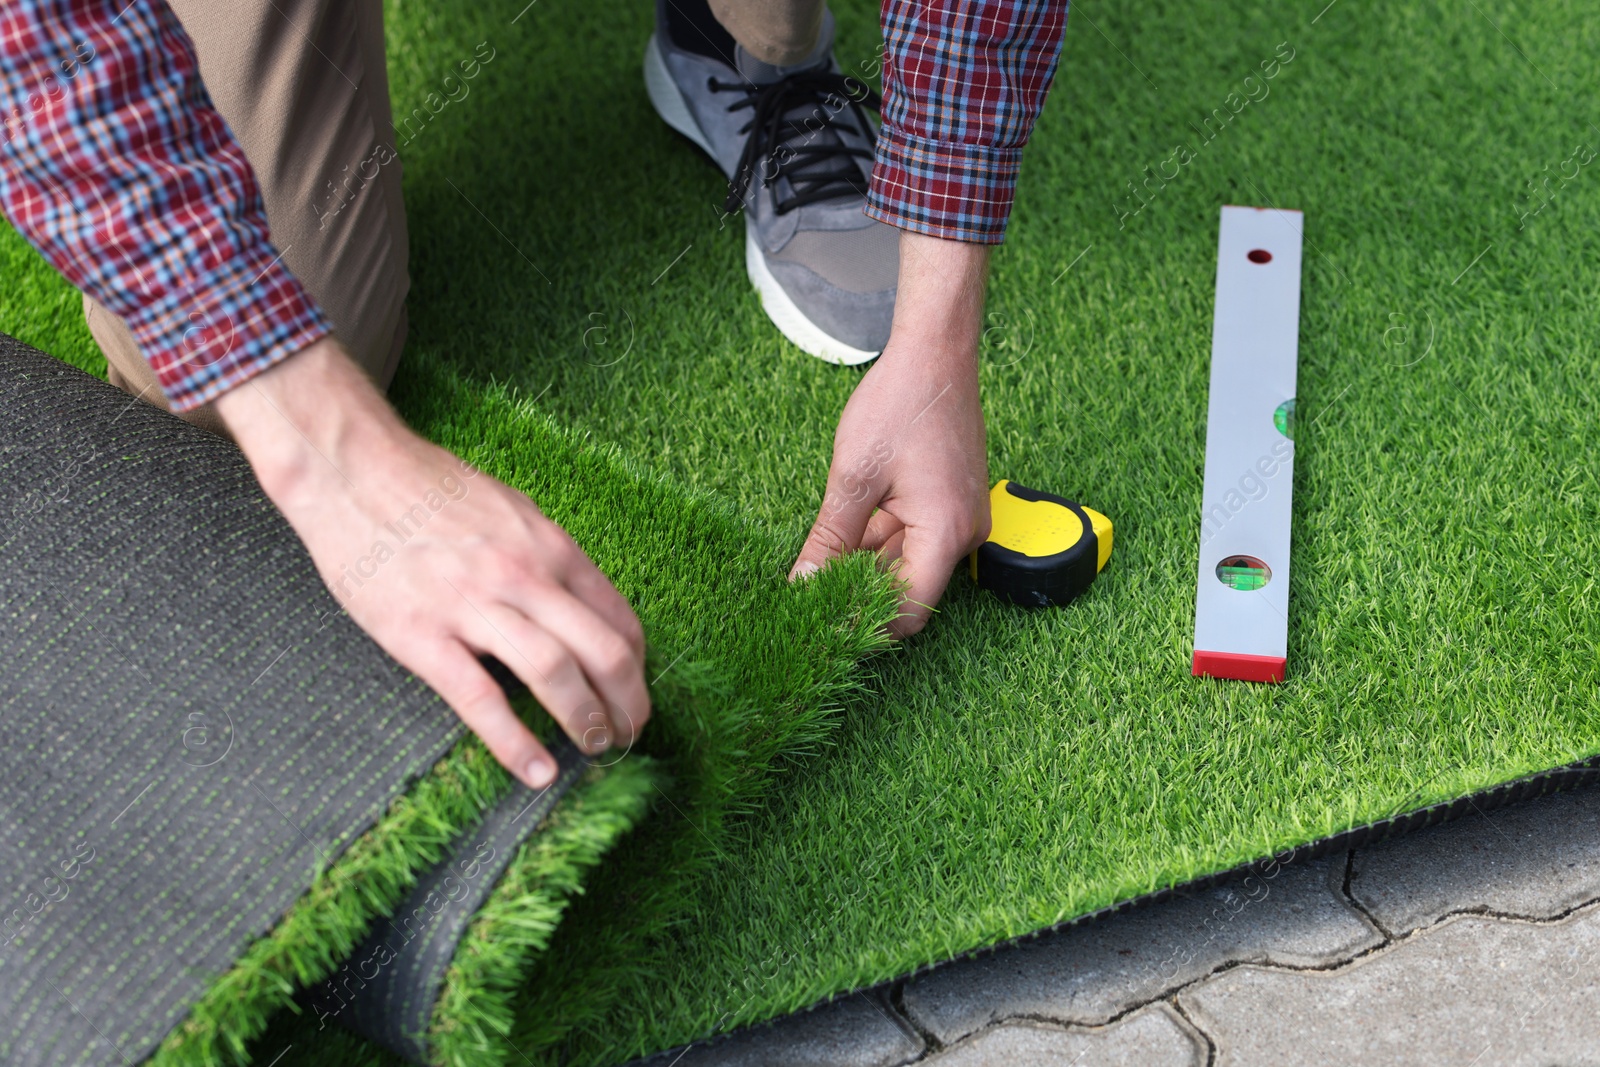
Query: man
[[195, 217]]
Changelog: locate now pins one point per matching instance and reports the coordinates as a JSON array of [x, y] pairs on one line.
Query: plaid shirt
[[118, 168], [963, 83], [116, 165]]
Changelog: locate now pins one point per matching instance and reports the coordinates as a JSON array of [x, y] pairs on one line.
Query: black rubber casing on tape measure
[[1040, 581]]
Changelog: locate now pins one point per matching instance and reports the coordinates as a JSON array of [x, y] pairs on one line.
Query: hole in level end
[[1259, 255]]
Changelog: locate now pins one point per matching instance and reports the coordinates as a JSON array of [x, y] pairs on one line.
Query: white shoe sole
[[810, 338], [788, 318]]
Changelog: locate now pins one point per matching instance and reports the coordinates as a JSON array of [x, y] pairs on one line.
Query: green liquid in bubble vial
[[1245, 573]]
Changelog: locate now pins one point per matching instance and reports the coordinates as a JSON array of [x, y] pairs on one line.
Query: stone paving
[[1468, 944]]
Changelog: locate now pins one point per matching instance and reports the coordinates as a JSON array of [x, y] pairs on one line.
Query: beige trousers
[[304, 87], [779, 32]]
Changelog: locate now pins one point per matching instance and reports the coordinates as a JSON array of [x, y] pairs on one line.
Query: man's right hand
[[439, 563]]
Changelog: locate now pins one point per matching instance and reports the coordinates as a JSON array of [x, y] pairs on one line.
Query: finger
[[608, 661], [893, 548], [477, 699], [547, 667], [846, 507], [928, 557], [880, 528], [593, 588]]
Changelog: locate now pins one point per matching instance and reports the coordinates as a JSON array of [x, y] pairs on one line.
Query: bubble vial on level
[[1283, 418], [1245, 573]]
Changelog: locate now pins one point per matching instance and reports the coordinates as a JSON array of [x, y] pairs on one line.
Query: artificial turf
[[1015, 769]]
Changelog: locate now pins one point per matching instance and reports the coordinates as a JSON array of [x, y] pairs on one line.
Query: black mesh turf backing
[[192, 730], [393, 980]]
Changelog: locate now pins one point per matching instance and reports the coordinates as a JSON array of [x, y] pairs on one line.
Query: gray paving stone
[[1154, 1037], [1536, 859], [1472, 990], [855, 1031], [1087, 975]]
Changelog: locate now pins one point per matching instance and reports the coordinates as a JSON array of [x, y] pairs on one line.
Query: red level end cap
[[1238, 666]]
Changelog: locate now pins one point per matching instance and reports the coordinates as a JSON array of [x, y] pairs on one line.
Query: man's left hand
[[909, 477]]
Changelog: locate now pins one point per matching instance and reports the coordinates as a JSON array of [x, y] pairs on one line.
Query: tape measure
[[1042, 550]]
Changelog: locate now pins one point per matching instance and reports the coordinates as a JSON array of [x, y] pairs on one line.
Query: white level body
[[1241, 615]]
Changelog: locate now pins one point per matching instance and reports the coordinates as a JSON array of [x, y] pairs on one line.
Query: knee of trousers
[[313, 117]]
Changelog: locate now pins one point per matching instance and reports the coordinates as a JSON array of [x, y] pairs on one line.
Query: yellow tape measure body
[[1042, 549]]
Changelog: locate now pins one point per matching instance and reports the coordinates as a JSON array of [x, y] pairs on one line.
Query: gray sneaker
[[796, 144]]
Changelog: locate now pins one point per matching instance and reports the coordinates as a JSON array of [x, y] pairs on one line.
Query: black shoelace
[[806, 102]]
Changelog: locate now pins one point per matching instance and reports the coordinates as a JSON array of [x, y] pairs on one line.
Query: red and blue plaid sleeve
[[118, 168], [963, 82]]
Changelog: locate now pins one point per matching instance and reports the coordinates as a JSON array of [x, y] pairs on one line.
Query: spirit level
[[1241, 611]]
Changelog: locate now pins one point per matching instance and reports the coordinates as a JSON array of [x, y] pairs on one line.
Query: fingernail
[[804, 570], [541, 773], [596, 739]]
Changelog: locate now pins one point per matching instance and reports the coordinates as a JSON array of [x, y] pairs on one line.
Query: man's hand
[[910, 442], [439, 563]]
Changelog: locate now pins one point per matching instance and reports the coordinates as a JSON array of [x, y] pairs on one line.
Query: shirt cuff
[[960, 192], [236, 319]]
